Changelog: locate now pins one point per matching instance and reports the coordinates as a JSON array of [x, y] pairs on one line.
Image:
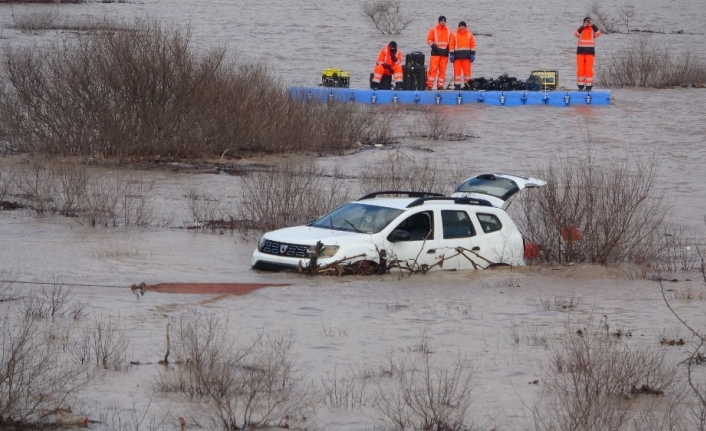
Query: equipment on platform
[[414, 73], [414, 77], [415, 57], [335, 78], [547, 79]]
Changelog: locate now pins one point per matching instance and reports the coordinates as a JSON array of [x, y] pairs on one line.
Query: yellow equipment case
[[549, 78], [335, 78]]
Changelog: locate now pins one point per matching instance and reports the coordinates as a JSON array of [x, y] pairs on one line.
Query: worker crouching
[[389, 63]]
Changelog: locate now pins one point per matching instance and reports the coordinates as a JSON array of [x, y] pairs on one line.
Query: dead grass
[[689, 293]]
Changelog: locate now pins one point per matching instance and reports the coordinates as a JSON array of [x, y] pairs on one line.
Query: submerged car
[[415, 230], [498, 189]]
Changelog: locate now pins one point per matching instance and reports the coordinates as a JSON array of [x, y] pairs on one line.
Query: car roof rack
[[399, 192], [457, 200]]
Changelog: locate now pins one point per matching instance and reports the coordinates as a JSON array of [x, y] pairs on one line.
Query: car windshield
[[502, 188], [357, 217]]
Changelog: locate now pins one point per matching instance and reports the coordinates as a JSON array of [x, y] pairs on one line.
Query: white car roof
[[399, 203]]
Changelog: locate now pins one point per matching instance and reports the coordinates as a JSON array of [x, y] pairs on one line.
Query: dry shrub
[[695, 356], [677, 251], [596, 211], [53, 301], [48, 187], [36, 21], [381, 126], [138, 417], [647, 63], [290, 194], [240, 385], [105, 344], [146, 92], [349, 391], [437, 124], [606, 22], [207, 210], [596, 381], [427, 395], [386, 16], [49, 20], [36, 379], [403, 172]]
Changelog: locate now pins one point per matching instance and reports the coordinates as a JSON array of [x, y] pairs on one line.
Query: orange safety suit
[[440, 36], [585, 54], [463, 46], [395, 61]]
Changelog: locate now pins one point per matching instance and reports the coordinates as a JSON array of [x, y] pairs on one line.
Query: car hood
[[307, 235], [495, 187]]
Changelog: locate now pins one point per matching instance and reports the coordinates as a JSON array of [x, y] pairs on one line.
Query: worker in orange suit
[[462, 54], [439, 38], [586, 53], [389, 63]]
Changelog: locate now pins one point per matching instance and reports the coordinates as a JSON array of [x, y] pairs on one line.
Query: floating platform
[[452, 97]]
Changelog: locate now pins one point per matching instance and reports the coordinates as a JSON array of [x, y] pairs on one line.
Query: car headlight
[[261, 244], [327, 251]]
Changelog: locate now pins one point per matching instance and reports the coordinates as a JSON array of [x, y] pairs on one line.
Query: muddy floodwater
[[354, 322]]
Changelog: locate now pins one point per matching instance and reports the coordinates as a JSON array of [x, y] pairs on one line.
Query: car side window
[[457, 224], [489, 222], [420, 226]]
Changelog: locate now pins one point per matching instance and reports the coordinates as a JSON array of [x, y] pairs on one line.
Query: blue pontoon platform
[[452, 97]]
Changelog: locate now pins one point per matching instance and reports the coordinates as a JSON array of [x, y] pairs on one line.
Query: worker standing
[[389, 63], [463, 53], [438, 38], [586, 53]]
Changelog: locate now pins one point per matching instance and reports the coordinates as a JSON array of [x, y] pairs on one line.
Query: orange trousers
[[437, 66], [462, 67], [584, 69], [379, 71]]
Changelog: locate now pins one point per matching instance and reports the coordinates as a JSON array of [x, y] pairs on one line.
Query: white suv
[[419, 230]]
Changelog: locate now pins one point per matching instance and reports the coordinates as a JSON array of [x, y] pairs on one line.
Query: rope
[[54, 282]]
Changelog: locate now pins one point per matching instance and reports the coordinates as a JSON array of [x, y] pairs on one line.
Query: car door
[[421, 247], [497, 189], [461, 244]]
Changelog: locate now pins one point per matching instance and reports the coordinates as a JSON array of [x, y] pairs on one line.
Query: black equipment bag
[[415, 57], [414, 77]]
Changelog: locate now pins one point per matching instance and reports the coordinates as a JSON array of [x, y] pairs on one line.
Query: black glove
[[387, 67], [434, 46], [473, 58], [581, 29]]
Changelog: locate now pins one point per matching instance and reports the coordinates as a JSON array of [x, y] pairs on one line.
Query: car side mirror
[[399, 235], [310, 222]]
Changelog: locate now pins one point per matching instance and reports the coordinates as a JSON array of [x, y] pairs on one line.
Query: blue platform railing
[[495, 98]]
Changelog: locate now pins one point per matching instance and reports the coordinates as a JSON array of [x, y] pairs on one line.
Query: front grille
[[284, 249]]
